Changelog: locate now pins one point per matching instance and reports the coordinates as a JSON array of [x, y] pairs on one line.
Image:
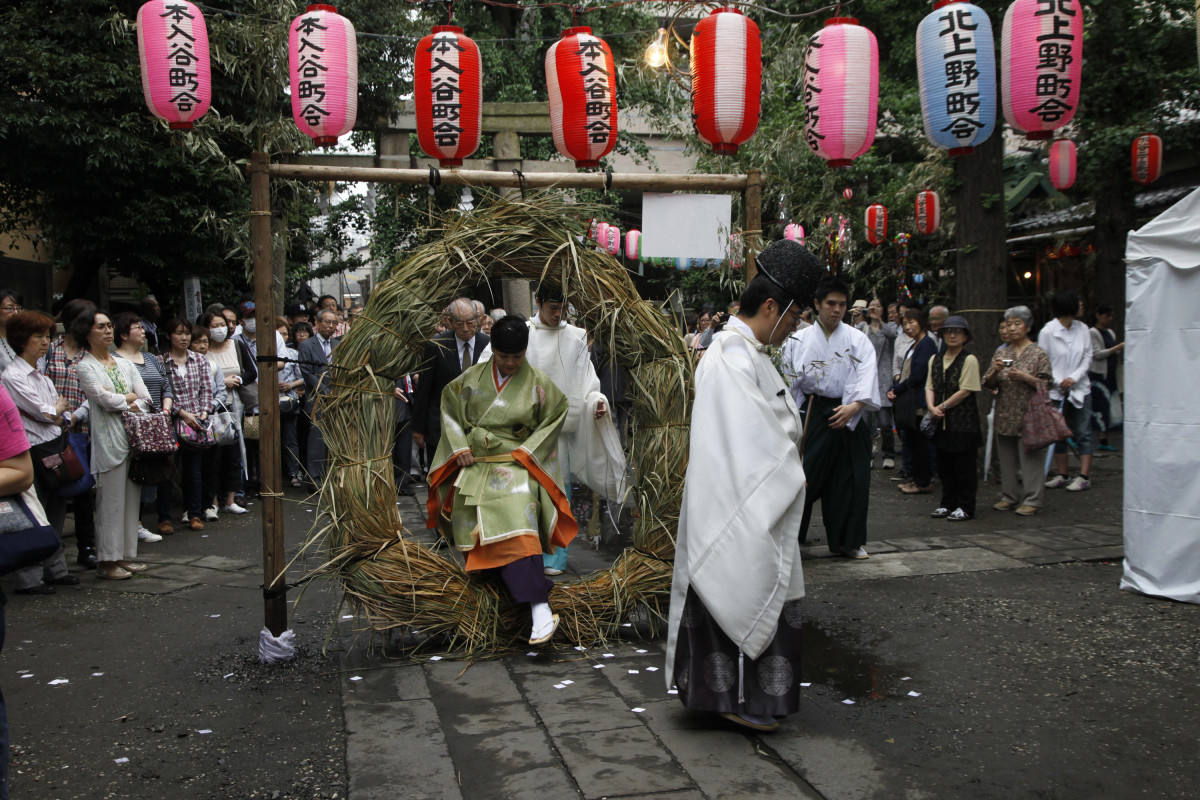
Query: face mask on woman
[[218, 334]]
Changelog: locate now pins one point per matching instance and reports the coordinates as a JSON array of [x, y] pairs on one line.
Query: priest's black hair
[[547, 293], [787, 273], [828, 285], [510, 335]]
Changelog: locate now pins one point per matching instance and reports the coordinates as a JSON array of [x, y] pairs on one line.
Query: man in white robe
[[733, 645], [834, 382], [589, 445]]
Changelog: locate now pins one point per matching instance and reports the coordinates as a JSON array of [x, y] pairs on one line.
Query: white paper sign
[[686, 225]]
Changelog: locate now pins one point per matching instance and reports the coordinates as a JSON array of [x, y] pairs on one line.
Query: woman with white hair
[[1018, 369]]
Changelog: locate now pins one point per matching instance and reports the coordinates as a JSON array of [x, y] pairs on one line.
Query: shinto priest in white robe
[[737, 553]]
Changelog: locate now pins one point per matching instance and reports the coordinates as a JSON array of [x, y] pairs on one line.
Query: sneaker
[[939, 513], [1057, 482], [901, 476], [233, 508], [889, 462], [184, 518], [958, 515], [858, 553], [1003, 505], [1106, 447], [296, 484], [147, 536], [1079, 484], [210, 514], [1027, 511]]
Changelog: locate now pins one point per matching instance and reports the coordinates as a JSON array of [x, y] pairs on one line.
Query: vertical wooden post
[[753, 214], [271, 494]]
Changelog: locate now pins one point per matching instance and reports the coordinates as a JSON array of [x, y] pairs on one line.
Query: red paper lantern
[[1146, 158], [726, 79], [876, 219], [841, 91], [173, 51], [582, 82], [1041, 65], [929, 212], [323, 67], [848, 193], [1062, 164], [448, 91]]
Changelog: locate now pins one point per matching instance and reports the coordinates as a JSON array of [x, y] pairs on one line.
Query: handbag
[[250, 427], [24, 540], [81, 445], [151, 469], [223, 425], [929, 424], [288, 404], [149, 433], [200, 438], [906, 409], [56, 463], [1043, 424]]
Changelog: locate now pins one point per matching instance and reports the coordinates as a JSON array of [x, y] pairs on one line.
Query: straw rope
[[395, 581]]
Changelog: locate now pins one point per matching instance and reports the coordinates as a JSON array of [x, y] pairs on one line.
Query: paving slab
[[1111, 553], [616, 763], [389, 745], [1103, 527], [482, 682], [1043, 561], [898, 565], [192, 575], [945, 541], [907, 545], [223, 562], [1009, 546], [1094, 538], [1049, 541], [142, 584]]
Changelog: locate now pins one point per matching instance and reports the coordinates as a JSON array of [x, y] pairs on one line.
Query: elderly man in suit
[[446, 356], [315, 354]]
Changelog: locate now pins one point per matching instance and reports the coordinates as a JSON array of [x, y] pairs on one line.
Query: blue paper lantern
[[956, 70], [918, 278]]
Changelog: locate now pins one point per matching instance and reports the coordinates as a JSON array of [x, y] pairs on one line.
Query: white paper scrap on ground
[[347, 616], [560, 686], [227, 677], [608, 655], [21, 671], [672, 691], [435, 658], [567, 683], [58, 682], [27, 675], [531, 655], [580, 648], [626, 624], [906, 679], [848, 702], [121, 760], [805, 685], [597, 666], [357, 678], [203, 732], [639, 651], [651, 669], [632, 671], [914, 694], [214, 616], [98, 674], [637, 710]]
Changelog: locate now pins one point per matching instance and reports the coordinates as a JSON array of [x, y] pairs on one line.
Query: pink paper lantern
[[1146, 158], [633, 245], [841, 91], [1062, 164], [1041, 65], [876, 223], [612, 241], [173, 51], [929, 212], [726, 79], [581, 80], [323, 66], [602, 235], [794, 232]]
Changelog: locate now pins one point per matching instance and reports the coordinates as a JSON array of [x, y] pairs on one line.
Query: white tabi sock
[[542, 620]]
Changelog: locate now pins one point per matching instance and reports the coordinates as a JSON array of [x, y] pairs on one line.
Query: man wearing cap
[[495, 488], [733, 643], [834, 382]]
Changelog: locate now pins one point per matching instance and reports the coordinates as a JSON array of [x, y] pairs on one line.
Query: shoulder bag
[[81, 446], [24, 540], [149, 432], [1043, 424], [56, 463], [223, 425], [200, 438]]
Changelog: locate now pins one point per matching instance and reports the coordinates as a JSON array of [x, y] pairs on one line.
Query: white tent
[[1162, 405]]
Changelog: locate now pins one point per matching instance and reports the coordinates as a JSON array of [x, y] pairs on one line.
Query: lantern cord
[[435, 177], [607, 180], [520, 179]]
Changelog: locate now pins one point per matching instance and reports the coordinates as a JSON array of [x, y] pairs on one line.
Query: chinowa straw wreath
[[397, 582]]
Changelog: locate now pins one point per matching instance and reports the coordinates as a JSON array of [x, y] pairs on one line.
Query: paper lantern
[[726, 79], [929, 212], [323, 65], [633, 245], [876, 223], [737, 258], [612, 240], [1062, 164], [956, 70], [448, 92], [601, 235], [1041, 65], [1146, 158], [173, 51], [682, 264], [841, 91], [848, 193], [582, 82], [794, 232]]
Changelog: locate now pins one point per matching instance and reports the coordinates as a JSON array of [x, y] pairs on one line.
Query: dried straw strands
[[398, 582]]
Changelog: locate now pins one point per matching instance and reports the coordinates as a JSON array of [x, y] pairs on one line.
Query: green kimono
[[512, 504]]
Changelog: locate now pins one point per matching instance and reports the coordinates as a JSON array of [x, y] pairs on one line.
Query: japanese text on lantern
[[446, 87], [961, 73], [311, 68], [183, 53], [812, 101], [1055, 47], [598, 109]]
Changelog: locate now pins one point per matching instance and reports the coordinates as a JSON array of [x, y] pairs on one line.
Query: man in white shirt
[[834, 381], [1068, 342]]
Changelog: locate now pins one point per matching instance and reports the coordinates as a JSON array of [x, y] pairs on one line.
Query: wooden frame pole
[[271, 492], [753, 195]]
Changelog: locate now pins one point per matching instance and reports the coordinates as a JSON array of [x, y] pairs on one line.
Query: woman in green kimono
[[495, 490]]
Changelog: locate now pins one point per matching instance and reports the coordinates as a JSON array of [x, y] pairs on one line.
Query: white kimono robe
[[842, 366], [743, 496], [592, 445]]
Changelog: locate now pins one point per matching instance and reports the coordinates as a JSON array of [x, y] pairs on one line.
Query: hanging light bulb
[[656, 52]]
